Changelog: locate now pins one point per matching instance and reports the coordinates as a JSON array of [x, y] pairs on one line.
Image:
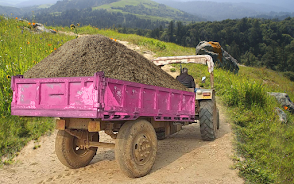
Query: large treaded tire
[[208, 120], [135, 148], [69, 154]]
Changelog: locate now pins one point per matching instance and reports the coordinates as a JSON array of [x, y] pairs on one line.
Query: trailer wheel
[[135, 148], [208, 120], [69, 153]]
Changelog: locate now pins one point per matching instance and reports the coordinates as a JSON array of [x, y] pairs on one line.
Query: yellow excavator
[[221, 57]]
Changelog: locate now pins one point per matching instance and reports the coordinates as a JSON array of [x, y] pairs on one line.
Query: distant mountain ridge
[[142, 14], [29, 3], [217, 11], [61, 6], [121, 12]]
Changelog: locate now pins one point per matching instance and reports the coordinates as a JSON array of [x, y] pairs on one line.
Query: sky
[[268, 2], [254, 1], [32, 2], [281, 3]]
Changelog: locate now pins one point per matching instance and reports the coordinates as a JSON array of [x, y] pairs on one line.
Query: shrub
[[289, 75], [172, 70]]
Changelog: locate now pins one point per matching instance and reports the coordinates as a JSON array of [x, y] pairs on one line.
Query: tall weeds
[[21, 48], [264, 141]]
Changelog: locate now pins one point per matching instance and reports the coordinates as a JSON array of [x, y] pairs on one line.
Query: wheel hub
[[142, 149]]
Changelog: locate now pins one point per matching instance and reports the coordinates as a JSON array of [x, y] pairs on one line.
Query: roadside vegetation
[[20, 50], [264, 145]]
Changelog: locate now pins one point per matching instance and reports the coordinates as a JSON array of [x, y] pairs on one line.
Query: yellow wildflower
[[7, 76]]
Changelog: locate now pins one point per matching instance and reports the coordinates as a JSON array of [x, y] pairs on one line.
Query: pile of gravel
[[89, 54]]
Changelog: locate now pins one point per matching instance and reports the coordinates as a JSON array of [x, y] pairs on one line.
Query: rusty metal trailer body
[[132, 113], [99, 97]]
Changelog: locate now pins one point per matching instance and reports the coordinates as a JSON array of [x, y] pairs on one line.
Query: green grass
[[264, 146], [20, 50], [123, 3], [45, 6], [147, 3]]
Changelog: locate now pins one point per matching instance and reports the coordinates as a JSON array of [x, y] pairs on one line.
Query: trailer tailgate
[[54, 97]]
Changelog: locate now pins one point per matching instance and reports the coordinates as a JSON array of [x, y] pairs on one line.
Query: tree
[[270, 59], [255, 36], [179, 32], [170, 31]]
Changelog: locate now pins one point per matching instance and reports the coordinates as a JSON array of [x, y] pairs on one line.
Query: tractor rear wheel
[[208, 120]]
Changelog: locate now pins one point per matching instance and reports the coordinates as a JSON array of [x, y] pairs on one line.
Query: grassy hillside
[[148, 9], [20, 50], [264, 146], [6, 10], [142, 14]]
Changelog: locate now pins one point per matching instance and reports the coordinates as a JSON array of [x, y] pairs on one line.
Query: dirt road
[[181, 158]]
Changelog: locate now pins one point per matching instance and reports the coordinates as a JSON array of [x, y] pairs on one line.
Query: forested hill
[[18, 12], [64, 5], [253, 42], [143, 14], [217, 11]]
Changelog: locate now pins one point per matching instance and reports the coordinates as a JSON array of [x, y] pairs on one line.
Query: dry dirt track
[[181, 158]]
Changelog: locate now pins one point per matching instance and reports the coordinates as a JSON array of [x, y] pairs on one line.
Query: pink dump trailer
[[133, 114], [100, 98]]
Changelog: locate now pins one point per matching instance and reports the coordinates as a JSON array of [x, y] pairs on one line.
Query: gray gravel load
[[89, 54]]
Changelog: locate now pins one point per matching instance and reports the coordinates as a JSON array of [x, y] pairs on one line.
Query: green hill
[[15, 12], [142, 14], [148, 9], [64, 5]]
